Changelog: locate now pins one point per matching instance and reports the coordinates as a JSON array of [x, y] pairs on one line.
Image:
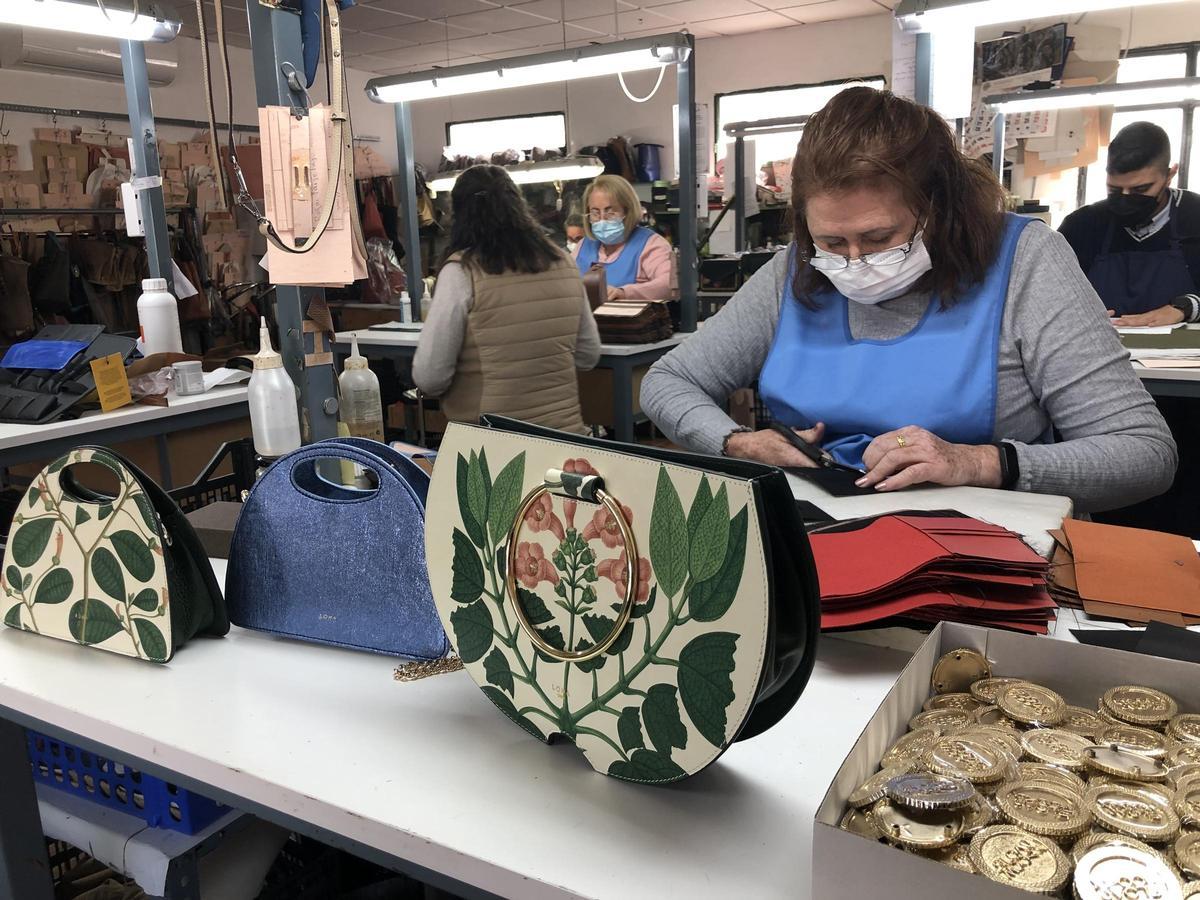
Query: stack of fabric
[[930, 568], [633, 322]]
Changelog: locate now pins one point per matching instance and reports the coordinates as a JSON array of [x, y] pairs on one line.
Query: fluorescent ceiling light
[[571, 168], [540, 68], [1134, 93], [152, 23], [929, 15]]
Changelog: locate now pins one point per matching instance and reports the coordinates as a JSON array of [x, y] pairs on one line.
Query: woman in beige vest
[[509, 323]]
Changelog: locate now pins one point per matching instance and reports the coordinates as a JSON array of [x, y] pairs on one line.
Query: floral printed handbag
[[123, 573], [650, 606]]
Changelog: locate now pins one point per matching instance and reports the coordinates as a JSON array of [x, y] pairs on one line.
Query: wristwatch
[[1189, 305], [1010, 465]]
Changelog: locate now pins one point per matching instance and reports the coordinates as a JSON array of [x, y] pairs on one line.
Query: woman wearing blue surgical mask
[[915, 331], [638, 263]]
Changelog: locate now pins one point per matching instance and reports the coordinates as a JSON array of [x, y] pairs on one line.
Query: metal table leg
[[24, 865], [623, 400]]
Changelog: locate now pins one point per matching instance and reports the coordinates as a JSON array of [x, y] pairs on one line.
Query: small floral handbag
[[653, 607], [123, 573]]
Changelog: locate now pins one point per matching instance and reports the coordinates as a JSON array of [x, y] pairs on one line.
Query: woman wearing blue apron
[[638, 263], [916, 332]]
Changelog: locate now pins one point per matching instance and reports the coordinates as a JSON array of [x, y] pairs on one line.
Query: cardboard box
[[170, 155], [56, 135], [849, 867]]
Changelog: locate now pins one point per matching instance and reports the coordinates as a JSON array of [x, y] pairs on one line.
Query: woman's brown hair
[[865, 135]]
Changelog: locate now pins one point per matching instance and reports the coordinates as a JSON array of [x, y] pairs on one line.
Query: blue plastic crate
[[117, 786]]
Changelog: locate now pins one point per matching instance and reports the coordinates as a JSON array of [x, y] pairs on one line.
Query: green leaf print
[[700, 503], [146, 599], [629, 729], [105, 511], [13, 617], [478, 488], [505, 705], [27, 583], [711, 599], [107, 572], [14, 578], [55, 587], [708, 544], [646, 765], [641, 609], [668, 536], [599, 627], [506, 498], [473, 527], [705, 686], [154, 646], [466, 584], [589, 665], [498, 671], [660, 712], [146, 508], [135, 554], [58, 465], [473, 634], [30, 542], [34, 493], [82, 515], [92, 621], [553, 636], [535, 607]]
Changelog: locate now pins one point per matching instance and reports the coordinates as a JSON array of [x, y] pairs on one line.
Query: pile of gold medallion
[[1000, 777]]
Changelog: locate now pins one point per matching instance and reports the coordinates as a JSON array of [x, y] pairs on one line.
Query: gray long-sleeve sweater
[[1061, 364]]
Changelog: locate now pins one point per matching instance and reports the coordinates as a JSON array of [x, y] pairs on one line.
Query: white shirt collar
[[1158, 222]]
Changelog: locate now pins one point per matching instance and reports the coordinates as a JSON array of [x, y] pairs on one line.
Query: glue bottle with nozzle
[[274, 418]]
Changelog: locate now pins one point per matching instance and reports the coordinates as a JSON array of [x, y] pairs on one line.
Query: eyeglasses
[[611, 216], [835, 263]]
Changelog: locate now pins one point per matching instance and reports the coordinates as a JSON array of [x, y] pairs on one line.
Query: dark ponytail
[[493, 227]]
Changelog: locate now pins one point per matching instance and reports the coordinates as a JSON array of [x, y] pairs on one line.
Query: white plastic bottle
[[362, 409], [158, 317], [274, 419]]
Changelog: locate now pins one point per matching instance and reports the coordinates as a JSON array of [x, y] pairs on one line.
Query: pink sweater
[[656, 269]]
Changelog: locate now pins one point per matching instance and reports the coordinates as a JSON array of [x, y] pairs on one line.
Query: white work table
[[622, 359], [28, 443]]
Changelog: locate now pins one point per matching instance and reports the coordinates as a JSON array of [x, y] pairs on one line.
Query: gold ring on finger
[[901, 441]]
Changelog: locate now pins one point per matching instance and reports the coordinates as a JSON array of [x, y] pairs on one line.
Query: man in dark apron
[[1140, 247]]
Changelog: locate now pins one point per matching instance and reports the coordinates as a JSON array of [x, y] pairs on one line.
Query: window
[[483, 137], [775, 103]]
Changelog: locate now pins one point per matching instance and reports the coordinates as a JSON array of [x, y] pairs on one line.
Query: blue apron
[[624, 269], [940, 376], [1138, 281]]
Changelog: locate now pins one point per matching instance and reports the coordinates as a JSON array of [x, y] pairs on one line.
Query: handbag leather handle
[[334, 450], [590, 489]]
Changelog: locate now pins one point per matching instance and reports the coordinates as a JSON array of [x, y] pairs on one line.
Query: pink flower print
[[615, 571], [605, 527], [541, 517], [532, 565], [578, 466]]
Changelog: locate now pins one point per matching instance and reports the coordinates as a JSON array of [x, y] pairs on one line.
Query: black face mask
[[1132, 210]]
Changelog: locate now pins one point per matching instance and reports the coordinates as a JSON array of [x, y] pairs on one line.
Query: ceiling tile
[[483, 43], [423, 57], [548, 36], [575, 9], [831, 10], [629, 22], [426, 32], [374, 62], [759, 21], [360, 42], [434, 9], [701, 10], [371, 18], [495, 20]]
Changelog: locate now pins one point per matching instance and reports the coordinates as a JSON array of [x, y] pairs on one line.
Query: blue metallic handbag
[[316, 560]]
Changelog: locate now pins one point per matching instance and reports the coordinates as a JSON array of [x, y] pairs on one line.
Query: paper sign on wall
[[112, 385]]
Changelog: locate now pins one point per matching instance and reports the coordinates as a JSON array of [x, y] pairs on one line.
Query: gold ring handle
[[631, 562]]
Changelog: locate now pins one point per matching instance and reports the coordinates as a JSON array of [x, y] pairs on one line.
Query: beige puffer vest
[[518, 354]]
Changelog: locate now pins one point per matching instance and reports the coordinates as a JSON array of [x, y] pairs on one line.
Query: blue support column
[[275, 40], [689, 264], [145, 160], [410, 224]]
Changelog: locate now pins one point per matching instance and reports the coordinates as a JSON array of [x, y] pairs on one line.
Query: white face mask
[[571, 245], [875, 284]]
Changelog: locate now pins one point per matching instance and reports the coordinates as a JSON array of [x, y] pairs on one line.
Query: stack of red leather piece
[[930, 568]]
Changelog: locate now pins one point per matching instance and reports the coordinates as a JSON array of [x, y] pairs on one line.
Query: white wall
[[599, 110], [182, 99]]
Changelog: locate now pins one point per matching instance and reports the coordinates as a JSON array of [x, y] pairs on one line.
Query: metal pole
[[145, 161], [689, 264], [998, 146], [739, 211], [411, 228], [923, 85], [274, 40]]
